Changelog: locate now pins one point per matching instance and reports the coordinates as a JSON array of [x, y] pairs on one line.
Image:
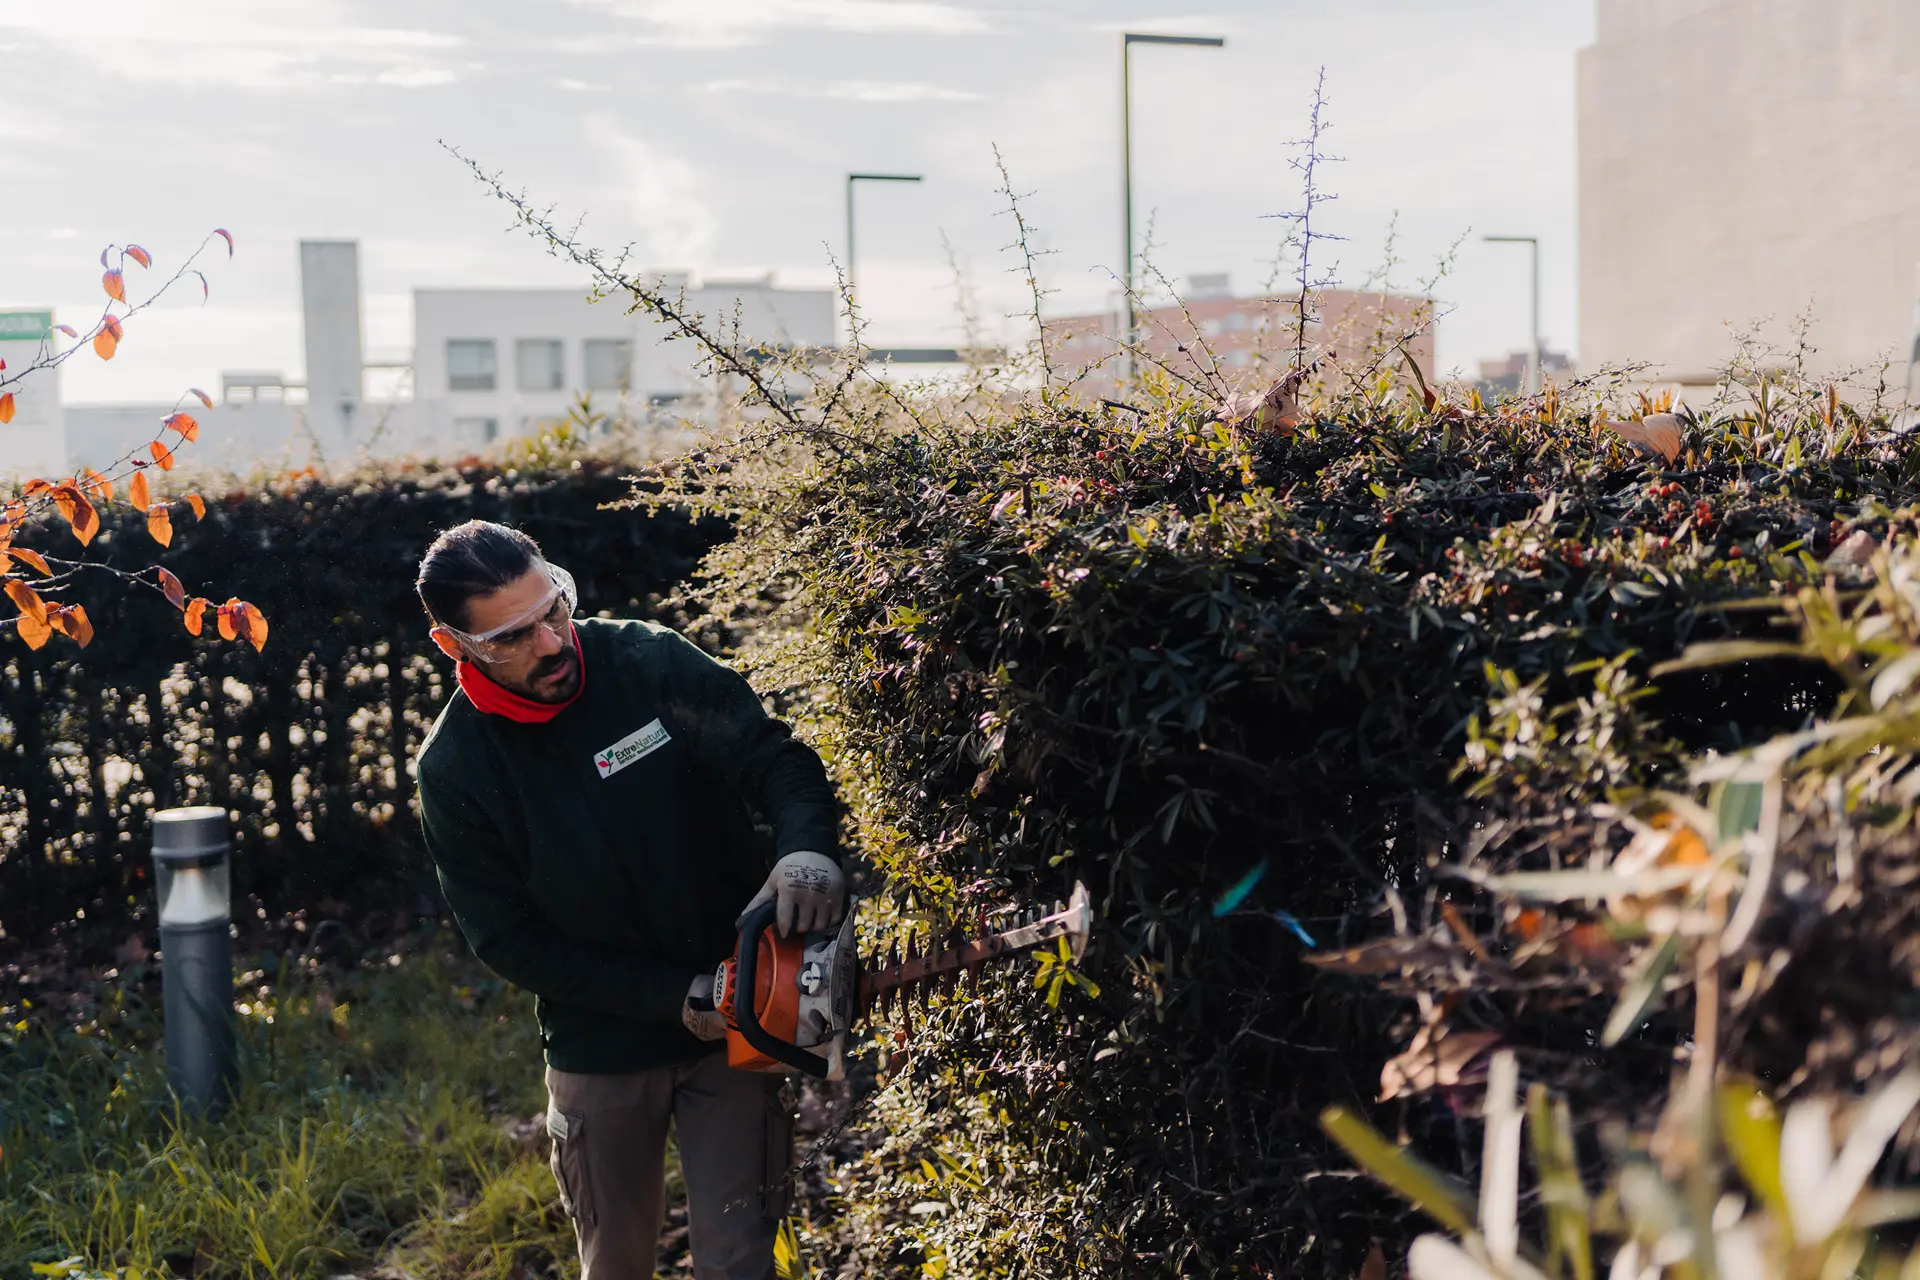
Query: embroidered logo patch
[[642, 741]]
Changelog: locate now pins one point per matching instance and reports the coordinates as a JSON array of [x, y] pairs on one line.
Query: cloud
[[662, 193], [721, 23], [295, 44], [584, 86], [845, 90]]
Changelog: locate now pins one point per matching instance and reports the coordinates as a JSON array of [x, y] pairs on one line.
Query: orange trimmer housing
[[788, 1001], [776, 998]]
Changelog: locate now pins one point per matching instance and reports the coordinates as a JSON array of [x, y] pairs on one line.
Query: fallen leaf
[[1438, 1058], [1855, 553], [1657, 435]]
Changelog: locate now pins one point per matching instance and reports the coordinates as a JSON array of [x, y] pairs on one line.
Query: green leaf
[[1429, 1190], [1642, 994], [1718, 653], [1736, 805], [1750, 1128], [1569, 1237]]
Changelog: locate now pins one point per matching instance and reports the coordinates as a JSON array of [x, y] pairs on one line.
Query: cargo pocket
[[776, 1183], [568, 1129]]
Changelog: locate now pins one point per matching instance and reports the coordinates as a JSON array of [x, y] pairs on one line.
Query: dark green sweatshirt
[[599, 860]]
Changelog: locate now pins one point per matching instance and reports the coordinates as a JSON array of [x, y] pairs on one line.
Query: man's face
[[537, 663]]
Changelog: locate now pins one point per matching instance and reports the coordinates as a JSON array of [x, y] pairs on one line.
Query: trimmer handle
[[746, 963]]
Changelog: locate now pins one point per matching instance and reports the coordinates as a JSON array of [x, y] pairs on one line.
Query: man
[[587, 796]]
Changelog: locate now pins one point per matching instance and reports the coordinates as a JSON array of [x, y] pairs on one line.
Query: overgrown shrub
[[1223, 677]]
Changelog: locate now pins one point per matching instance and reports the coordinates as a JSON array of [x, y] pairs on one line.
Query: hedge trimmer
[[810, 989]]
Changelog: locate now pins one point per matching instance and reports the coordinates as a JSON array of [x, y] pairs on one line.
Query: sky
[[715, 136]]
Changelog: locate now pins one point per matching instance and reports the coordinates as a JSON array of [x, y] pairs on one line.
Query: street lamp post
[[1127, 41], [851, 179], [1534, 371]]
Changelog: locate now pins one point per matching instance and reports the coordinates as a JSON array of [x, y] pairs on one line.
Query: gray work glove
[[698, 1014], [811, 891]]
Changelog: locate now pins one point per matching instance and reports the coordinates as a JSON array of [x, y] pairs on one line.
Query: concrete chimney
[[330, 303]]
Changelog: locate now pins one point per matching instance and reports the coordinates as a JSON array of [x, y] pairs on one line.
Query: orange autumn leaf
[[160, 523], [99, 484], [32, 559], [111, 323], [26, 599], [256, 627], [199, 506], [1657, 435], [115, 285], [80, 514], [176, 593], [6, 406], [161, 455], [104, 344], [34, 630], [186, 424], [36, 487], [225, 618], [137, 491], [139, 255], [195, 610], [201, 396], [72, 622]]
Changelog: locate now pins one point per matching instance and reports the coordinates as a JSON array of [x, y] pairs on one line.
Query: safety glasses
[[512, 639]]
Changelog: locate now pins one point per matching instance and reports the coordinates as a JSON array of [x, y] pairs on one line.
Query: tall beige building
[[1742, 160]]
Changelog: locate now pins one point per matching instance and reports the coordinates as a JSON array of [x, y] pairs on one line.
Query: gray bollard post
[[191, 851]]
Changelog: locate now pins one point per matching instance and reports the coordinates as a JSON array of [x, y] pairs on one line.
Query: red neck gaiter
[[497, 700]]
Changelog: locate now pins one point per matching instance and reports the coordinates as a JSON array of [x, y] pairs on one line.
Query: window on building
[[470, 364], [539, 364], [473, 433], [609, 364]]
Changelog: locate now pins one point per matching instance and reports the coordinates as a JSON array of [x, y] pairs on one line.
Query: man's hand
[[811, 891], [697, 1011]]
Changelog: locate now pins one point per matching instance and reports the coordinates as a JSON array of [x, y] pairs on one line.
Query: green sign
[[25, 326]]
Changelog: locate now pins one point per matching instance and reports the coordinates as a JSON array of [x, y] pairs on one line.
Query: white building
[[1743, 161], [487, 365], [34, 443]]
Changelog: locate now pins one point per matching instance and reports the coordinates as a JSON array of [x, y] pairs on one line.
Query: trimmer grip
[[747, 1021]]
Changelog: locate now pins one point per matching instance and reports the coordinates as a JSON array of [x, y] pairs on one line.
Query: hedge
[[1225, 677], [308, 741]]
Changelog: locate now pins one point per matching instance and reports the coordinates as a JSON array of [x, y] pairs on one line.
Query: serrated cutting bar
[[889, 986]]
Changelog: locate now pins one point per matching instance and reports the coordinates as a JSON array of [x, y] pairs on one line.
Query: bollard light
[[192, 850]]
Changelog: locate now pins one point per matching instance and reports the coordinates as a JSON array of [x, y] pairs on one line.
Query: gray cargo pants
[[735, 1133]]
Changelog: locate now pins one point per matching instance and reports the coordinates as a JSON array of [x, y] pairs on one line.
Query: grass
[[381, 1125]]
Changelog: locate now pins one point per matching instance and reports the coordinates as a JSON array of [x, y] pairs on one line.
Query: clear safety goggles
[[510, 639]]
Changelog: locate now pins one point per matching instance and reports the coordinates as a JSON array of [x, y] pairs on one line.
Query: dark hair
[[468, 560]]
